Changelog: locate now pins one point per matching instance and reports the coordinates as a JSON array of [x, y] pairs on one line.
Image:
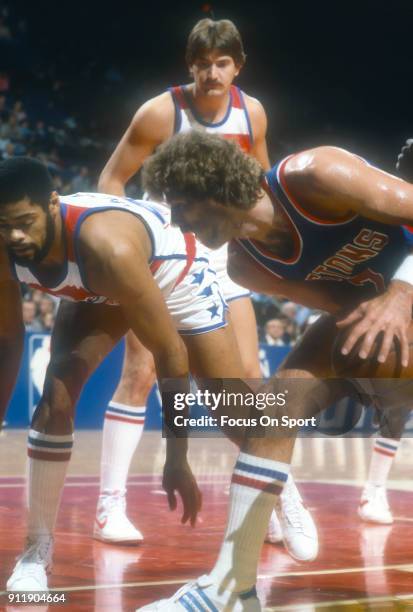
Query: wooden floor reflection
[[360, 567]]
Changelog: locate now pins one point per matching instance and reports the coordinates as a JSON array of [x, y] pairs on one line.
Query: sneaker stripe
[[187, 605], [206, 600], [194, 602]]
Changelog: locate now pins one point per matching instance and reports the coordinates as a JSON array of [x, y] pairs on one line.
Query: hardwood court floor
[[360, 566]]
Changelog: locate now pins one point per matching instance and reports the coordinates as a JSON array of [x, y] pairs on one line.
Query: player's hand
[[178, 477], [390, 314], [404, 163]]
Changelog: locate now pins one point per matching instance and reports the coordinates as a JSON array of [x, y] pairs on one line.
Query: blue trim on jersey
[[178, 117], [177, 256], [202, 330], [241, 96], [238, 297], [195, 113]]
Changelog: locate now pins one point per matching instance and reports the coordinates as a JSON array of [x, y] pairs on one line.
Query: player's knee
[[137, 381]]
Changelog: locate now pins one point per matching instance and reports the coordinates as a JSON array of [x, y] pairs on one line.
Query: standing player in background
[[211, 103], [374, 506]]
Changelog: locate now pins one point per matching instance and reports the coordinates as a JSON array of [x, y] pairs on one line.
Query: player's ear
[[54, 202]]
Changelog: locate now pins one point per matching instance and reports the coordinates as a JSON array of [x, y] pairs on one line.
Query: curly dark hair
[[196, 166]]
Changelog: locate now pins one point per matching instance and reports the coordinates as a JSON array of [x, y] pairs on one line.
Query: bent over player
[[322, 228], [117, 264]]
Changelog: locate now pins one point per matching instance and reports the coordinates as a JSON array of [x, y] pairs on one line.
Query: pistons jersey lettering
[[357, 250], [172, 252]]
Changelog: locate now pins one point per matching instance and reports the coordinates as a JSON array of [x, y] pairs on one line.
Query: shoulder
[[156, 114], [256, 113], [312, 162], [254, 107], [127, 237]]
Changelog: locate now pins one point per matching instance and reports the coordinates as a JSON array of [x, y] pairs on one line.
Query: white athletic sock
[[122, 431], [48, 458], [256, 482], [384, 451]]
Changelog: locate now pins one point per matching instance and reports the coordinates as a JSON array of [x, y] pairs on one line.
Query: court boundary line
[[340, 602], [352, 570]]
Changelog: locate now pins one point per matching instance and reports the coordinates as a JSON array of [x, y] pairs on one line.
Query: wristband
[[405, 271]]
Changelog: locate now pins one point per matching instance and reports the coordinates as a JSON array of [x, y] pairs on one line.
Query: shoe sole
[[375, 521], [125, 542]]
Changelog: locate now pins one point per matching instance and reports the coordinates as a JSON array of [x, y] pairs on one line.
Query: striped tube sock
[[122, 431], [384, 451], [48, 458], [256, 482]]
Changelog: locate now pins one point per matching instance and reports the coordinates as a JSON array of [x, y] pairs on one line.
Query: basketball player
[[211, 103], [117, 264], [323, 229], [374, 506]]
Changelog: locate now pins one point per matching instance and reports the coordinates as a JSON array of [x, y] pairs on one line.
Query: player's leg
[[245, 327], [122, 430], [82, 337], [374, 506], [258, 479]]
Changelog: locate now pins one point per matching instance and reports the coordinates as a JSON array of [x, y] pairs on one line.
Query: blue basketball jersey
[[356, 250]]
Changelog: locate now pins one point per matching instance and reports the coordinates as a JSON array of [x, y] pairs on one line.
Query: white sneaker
[[274, 533], [202, 595], [30, 571], [111, 522], [298, 528], [374, 507]]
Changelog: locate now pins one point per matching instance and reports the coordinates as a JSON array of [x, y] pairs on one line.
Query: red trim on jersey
[[75, 293], [72, 216], [180, 97], [297, 239], [305, 213], [236, 98]]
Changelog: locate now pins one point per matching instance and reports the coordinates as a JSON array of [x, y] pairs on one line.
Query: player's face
[[27, 231], [213, 73], [212, 223]]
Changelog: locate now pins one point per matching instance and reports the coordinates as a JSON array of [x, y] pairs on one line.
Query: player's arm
[[337, 183], [151, 125], [118, 269], [11, 332], [258, 121]]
